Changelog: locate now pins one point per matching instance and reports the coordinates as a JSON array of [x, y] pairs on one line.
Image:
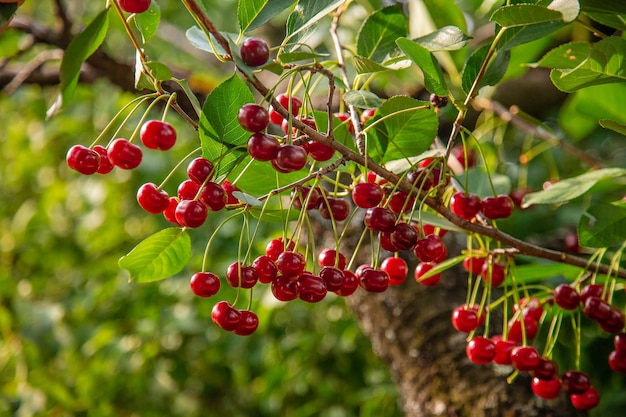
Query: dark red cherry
[[190, 213], [277, 246], [213, 196], [157, 134], [374, 280], [265, 268], [284, 289], [248, 323], [617, 361], [400, 202], [263, 147], [499, 207], [404, 236], [337, 209], [170, 211], [331, 257], [290, 157], [587, 400], [515, 328], [591, 290], [105, 165], [422, 269], [546, 369], [566, 297], [199, 170], [503, 351], [465, 205], [188, 189], [597, 309], [367, 195], [254, 52], [493, 273], [525, 358], [253, 118], [466, 319], [311, 288], [575, 382], [241, 276], [379, 219], [292, 104], [311, 197], [135, 6], [82, 159], [319, 151], [350, 284], [204, 284], [473, 265], [430, 249], [291, 264], [225, 316], [333, 277]]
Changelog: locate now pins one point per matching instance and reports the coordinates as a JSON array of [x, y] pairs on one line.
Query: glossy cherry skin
[[548, 389], [597, 309], [311, 197], [404, 236], [135, 6], [311, 288], [617, 361], [253, 117], [546, 369], [213, 196], [481, 350], [254, 52], [200, 169], [284, 288], [575, 382], [396, 268], [515, 328], [151, 199], [230, 188], [586, 400], [319, 151], [204, 284], [242, 276], [466, 319], [591, 290], [465, 205], [400, 202], [157, 134], [493, 273], [225, 316], [190, 213], [367, 195], [291, 264], [289, 103], [188, 189], [566, 297], [379, 219], [105, 165], [503, 351], [619, 341], [499, 207], [277, 246], [430, 249], [421, 269], [336, 209], [170, 211], [263, 147], [124, 154], [248, 323], [350, 284], [374, 280], [331, 257], [290, 158], [473, 265], [524, 358], [265, 268], [615, 322], [333, 277], [82, 159]]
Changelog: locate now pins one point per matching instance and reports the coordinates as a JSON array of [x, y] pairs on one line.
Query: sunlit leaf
[[495, 71], [362, 99], [524, 15], [448, 38], [254, 13], [613, 125], [538, 272], [603, 225], [568, 189], [148, 21], [305, 16], [289, 57], [377, 37], [159, 256], [426, 61], [367, 66]]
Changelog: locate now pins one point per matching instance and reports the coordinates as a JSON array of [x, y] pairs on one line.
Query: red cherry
[[319, 151], [379, 219], [82, 159], [367, 195], [241, 276], [465, 205], [188, 189], [204, 284], [420, 271], [336, 209], [517, 195], [367, 115], [291, 264], [481, 350], [385, 242], [400, 202], [230, 188], [265, 268], [331, 257], [503, 351], [225, 316], [190, 213], [597, 309], [124, 154], [134, 6], [466, 319], [277, 246], [170, 212], [105, 165], [615, 322], [248, 323], [284, 289], [396, 268], [515, 329], [531, 307], [151, 199], [374, 280], [429, 229], [493, 273], [466, 159], [333, 277], [587, 400], [311, 288], [430, 249], [617, 361], [263, 147], [254, 52], [499, 207], [199, 170], [404, 236], [290, 158], [591, 290], [473, 265], [575, 382], [213, 196], [349, 285], [546, 369], [290, 103], [422, 178], [157, 134], [312, 197], [253, 117], [619, 341], [548, 389], [524, 358], [566, 297]]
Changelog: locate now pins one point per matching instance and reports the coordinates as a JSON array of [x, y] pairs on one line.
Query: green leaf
[[79, 49], [478, 182], [495, 70], [613, 125], [200, 40], [219, 129], [289, 57], [442, 266], [362, 99], [159, 256], [515, 36], [254, 13], [159, 71], [568, 55], [190, 94], [445, 12], [7, 10], [524, 15], [448, 38], [437, 221], [535, 273], [148, 21], [608, 12], [568, 189], [274, 216], [410, 132], [605, 64], [305, 16], [367, 66], [426, 61], [377, 37], [603, 225]]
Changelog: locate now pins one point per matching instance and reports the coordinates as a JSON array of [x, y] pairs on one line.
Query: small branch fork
[[436, 203]]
